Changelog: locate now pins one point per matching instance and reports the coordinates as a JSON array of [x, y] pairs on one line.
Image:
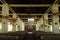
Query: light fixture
[[30, 19]]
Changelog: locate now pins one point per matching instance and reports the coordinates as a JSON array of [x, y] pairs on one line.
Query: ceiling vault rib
[[55, 2], [3, 1]]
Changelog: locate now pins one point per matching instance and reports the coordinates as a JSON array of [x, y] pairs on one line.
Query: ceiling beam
[[28, 22], [27, 18], [29, 5], [35, 18], [32, 14], [27, 14]]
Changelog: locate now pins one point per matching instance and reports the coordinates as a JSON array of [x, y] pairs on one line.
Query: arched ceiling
[[24, 12]]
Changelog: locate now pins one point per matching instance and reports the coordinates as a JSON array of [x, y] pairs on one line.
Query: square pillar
[[18, 22], [5, 15], [41, 24], [13, 27], [46, 22], [55, 23], [37, 26], [55, 11], [14, 22]]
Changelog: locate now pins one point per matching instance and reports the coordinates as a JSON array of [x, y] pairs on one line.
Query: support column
[[18, 22], [37, 26], [56, 23], [23, 27], [41, 24], [55, 11], [14, 22], [46, 22], [5, 15], [13, 27]]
